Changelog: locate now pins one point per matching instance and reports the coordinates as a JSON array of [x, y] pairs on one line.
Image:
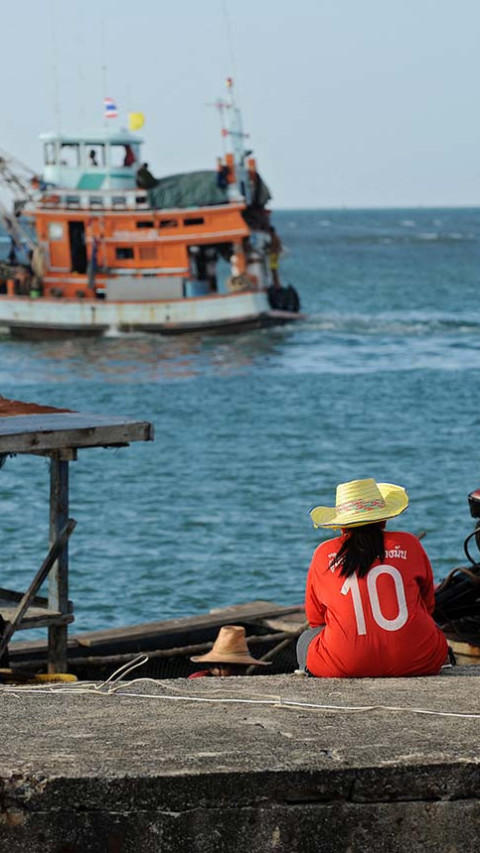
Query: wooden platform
[[30, 428], [38, 614]]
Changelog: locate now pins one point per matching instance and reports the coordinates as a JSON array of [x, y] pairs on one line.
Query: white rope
[[274, 703], [112, 686]]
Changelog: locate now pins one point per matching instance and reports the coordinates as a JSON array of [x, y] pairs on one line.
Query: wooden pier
[[29, 428]]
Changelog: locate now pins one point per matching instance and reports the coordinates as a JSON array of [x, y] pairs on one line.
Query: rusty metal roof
[[34, 428]]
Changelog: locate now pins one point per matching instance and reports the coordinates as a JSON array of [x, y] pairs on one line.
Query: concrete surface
[[88, 773]]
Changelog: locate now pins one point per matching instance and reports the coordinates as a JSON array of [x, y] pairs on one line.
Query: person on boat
[[12, 254], [229, 654], [92, 156], [275, 250], [145, 179], [222, 174], [211, 268], [129, 158], [369, 593]]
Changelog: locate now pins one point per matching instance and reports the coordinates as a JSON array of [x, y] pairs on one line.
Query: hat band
[[360, 504]]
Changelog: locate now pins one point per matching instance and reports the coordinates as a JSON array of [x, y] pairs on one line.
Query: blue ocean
[[382, 379]]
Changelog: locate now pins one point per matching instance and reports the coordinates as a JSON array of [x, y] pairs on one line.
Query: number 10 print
[[351, 585]]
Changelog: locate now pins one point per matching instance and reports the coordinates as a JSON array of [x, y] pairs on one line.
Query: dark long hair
[[361, 548]]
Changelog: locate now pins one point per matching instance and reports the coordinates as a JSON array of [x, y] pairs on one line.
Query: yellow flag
[[136, 121]]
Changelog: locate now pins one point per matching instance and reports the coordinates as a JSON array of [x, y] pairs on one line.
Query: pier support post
[[58, 577]]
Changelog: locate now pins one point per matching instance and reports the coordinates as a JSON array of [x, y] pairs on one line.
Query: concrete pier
[[247, 770]]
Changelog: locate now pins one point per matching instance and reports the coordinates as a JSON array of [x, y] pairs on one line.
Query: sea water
[[382, 380]]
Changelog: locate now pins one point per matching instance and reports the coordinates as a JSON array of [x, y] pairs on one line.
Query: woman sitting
[[370, 593]]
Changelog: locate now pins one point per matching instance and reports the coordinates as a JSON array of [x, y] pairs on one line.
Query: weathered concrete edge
[[307, 827], [253, 789]]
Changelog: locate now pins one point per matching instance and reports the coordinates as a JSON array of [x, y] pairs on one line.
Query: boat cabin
[[103, 159]]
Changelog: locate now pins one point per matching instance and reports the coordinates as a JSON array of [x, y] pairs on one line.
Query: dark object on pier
[[4, 660], [457, 597]]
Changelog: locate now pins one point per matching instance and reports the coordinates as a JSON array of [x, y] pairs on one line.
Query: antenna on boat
[[237, 137], [109, 106], [228, 33], [55, 75], [221, 106], [103, 55], [234, 130]]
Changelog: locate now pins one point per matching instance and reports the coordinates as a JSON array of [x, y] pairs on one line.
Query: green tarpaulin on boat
[[195, 189], [190, 189]]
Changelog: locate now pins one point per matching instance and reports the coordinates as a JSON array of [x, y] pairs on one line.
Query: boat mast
[[237, 137]]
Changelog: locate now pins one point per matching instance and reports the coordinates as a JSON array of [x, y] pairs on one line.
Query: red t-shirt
[[378, 625]]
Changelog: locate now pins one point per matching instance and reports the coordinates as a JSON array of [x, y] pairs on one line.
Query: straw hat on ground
[[361, 502], [230, 647]]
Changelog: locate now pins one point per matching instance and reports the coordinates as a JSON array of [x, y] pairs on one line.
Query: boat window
[[145, 223], [55, 231], [70, 155], [168, 223], [49, 154], [194, 220], [124, 253], [94, 155]]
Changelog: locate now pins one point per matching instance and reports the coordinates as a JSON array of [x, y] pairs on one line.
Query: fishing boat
[[101, 247], [165, 648]]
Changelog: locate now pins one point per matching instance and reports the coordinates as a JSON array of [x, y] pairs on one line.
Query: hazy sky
[[354, 103]]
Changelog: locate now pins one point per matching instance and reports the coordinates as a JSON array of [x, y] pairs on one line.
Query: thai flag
[[109, 108]]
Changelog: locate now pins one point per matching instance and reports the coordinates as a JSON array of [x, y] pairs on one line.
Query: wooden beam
[[68, 454], [34, 433], [58, 577]]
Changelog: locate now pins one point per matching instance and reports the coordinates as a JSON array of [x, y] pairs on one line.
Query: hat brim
[[396, 502], [240, 659]]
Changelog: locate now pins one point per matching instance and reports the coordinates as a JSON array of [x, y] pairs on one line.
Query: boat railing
[[134, 199], [114, 199]]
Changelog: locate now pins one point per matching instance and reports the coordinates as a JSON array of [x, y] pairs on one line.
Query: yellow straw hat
[[361, 502], [230, 647]]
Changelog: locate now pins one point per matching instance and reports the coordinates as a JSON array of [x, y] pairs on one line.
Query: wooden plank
[[290, 623], [251, 611], [69, 454], [37, 617], [33, 433], [464, 648]]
